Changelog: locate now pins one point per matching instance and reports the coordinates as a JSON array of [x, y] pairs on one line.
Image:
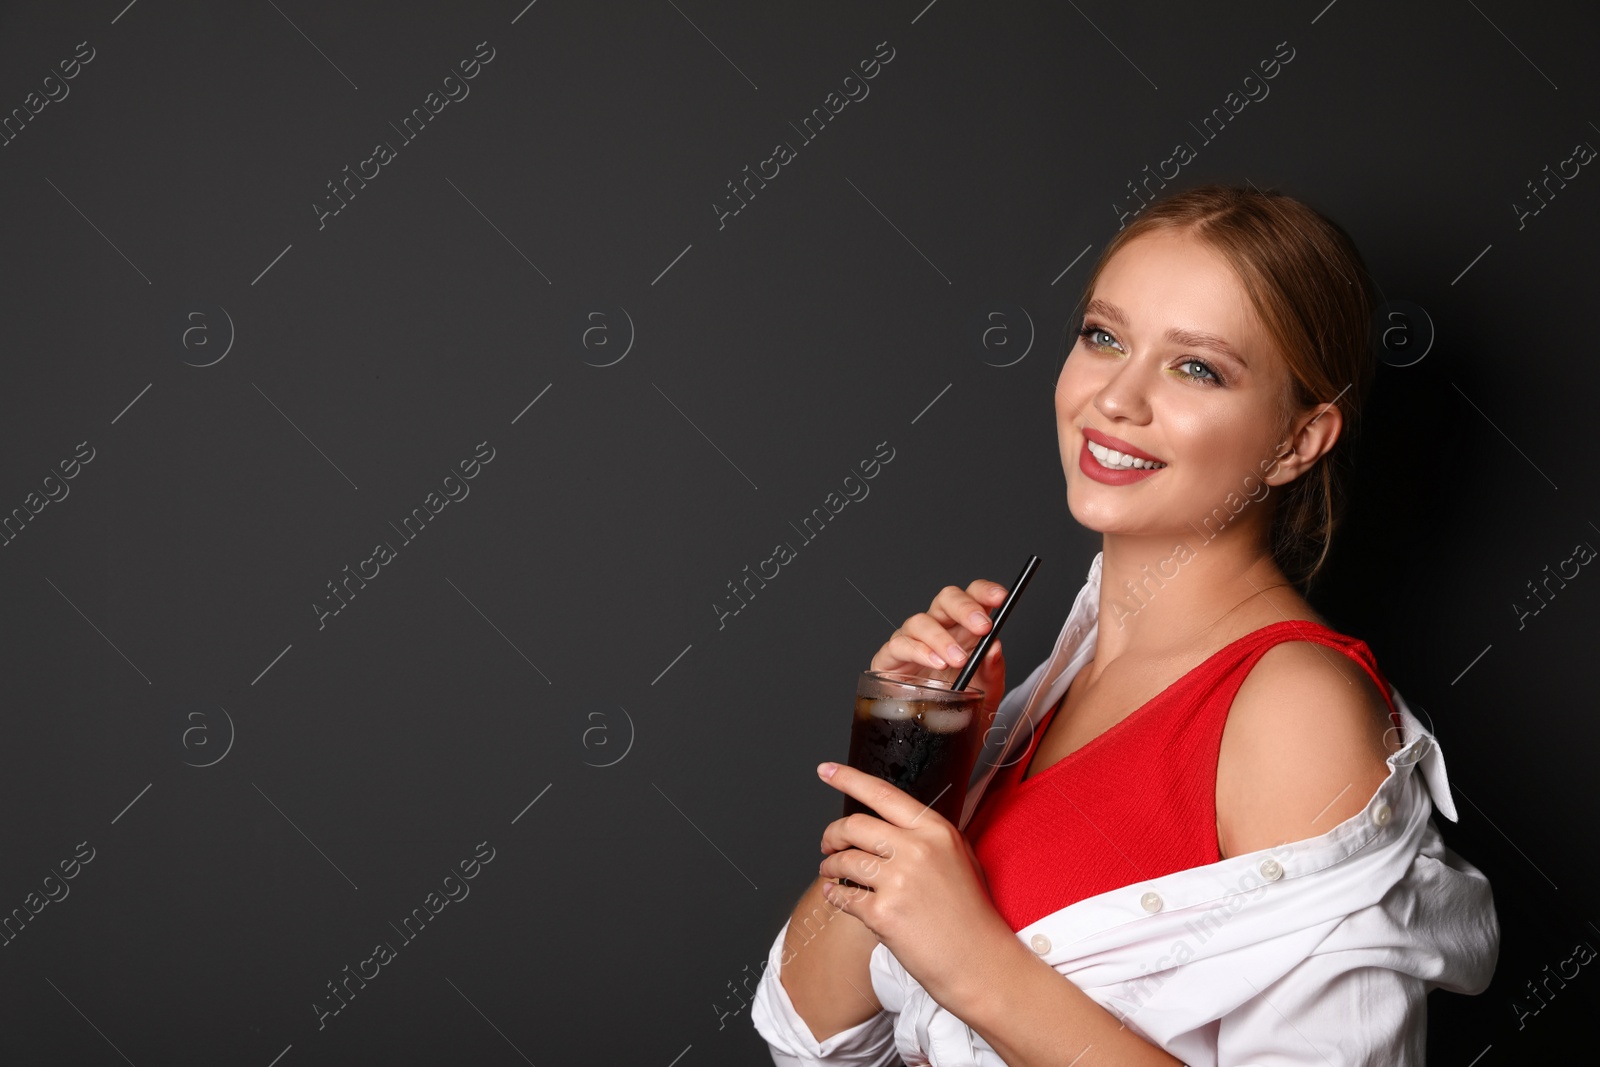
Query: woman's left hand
[[930, 903]]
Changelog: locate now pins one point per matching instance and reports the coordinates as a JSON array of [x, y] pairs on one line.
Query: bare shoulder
[[1303, 748]]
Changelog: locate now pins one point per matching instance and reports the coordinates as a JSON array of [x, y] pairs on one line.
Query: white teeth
[[1110, 457]]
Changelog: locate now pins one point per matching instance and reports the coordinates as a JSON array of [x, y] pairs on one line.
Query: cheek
[[1220, 447]]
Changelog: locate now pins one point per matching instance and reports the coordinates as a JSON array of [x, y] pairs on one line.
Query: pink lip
[[1091, 469], [1107, 441]]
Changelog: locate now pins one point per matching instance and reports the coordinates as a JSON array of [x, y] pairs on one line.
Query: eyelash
[[1090, 329]]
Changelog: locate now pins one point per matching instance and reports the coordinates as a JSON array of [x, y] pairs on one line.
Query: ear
[[1312, 434]]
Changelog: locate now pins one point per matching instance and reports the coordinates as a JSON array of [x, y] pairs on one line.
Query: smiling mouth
[[1111, 459]]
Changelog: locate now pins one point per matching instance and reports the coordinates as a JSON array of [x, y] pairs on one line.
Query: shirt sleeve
[[1329, 1011], [1360, 998], [867, 1044]]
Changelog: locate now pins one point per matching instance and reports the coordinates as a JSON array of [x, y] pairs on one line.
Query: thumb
[[992, 668]]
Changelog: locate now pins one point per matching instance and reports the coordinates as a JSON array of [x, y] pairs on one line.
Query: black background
[[551, 639]]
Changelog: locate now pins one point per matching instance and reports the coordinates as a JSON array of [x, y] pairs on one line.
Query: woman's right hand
[[935, 643]]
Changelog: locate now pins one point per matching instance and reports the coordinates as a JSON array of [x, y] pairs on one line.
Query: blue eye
[[1216, 378], [1090, 331]]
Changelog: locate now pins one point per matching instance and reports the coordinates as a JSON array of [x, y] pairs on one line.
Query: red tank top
[[1137, 802]]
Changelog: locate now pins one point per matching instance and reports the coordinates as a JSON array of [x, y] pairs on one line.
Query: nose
[[1126, 393]]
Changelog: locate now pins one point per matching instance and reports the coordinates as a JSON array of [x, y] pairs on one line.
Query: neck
[[1163, 592]]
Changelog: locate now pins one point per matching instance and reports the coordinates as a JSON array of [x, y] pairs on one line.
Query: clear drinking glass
[[916, 733]]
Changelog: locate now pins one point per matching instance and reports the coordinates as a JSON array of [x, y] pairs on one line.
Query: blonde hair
[[1312, 293]]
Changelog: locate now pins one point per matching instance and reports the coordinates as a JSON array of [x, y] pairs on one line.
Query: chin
[[1104, 515], [1094, 519]]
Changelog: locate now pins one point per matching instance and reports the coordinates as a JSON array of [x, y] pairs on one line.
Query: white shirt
[[1315, 952]]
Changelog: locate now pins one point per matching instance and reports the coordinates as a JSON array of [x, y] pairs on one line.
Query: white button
[[1271, 870], [1040, 943], [1381, 813], [1422, 748], [1151, 901]]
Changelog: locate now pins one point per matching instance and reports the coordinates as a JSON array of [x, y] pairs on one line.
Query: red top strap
[[1135, 803]]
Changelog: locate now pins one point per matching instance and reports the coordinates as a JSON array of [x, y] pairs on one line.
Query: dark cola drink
[[917, 736]]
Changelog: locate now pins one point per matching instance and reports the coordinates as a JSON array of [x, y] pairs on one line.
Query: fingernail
[[827, 769], [937, 660], [955, 653], [979, 619]]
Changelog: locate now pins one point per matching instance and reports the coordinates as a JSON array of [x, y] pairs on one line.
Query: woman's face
[[1143, 375]]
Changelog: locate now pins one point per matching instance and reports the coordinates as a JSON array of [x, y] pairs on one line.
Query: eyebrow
[[1187, 338]]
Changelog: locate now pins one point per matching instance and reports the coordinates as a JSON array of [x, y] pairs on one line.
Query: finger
[[860, 867], [969, 607], [949, 647], [903, 650], [895, 806], [847, 899], [992, 668], [993, 594], [990, 678], [858, 831]]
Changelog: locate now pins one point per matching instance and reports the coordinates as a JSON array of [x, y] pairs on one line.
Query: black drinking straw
[[999, 620]]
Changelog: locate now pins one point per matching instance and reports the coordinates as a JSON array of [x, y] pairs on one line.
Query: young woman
[[1205, 814]]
